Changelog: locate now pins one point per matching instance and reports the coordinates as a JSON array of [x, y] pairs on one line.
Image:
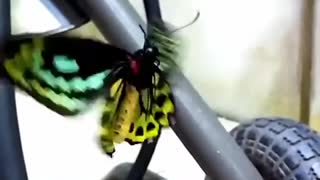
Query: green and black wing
[[66, 74], [63, 73]]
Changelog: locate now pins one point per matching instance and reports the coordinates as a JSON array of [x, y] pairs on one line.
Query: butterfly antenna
[[189, 24], [143, 31]]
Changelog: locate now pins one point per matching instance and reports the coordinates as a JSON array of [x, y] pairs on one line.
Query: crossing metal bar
[[12, 165], [196, 124]]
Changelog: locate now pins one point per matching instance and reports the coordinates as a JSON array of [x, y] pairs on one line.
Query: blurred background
[[246, 58]]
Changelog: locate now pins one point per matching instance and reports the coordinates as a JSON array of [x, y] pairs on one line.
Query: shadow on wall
[[242, 56]]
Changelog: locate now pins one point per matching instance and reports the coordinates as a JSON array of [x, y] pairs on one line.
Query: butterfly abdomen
[[129, 112]]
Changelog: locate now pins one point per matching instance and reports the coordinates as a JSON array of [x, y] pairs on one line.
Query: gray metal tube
[[196, 124], [202, 134], [12, 166], [117, 20], [68, 15]]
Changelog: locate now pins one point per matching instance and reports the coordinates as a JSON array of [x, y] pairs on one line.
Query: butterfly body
[[66, 74]]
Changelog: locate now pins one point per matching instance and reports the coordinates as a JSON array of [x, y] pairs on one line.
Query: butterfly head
[[150, 52], [145, 58], [143, 65]]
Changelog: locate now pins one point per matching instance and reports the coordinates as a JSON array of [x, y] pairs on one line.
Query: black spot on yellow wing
[[139, 131], [158, 115], [164, 104], [131, 128], [161, 99], [150, 126], [123, 119]]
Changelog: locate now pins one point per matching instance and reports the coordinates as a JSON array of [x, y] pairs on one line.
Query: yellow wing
[[123, 120]]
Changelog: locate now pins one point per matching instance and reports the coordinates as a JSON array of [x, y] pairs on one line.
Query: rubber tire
[[280, 148]]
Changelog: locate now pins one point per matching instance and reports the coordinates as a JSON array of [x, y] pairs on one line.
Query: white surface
[[30, 16], [241, 57], [58, 148]]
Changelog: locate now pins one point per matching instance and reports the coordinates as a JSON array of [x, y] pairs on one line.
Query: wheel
[[280, 148]]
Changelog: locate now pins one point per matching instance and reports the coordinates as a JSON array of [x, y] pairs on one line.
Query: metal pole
[[196, 125], [66, 13], [198, 128], [139, 168], [117, 20], [12, 166], [153, 11], [306, 54]]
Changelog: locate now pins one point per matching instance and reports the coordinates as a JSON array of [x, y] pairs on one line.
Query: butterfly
[[67, 74]]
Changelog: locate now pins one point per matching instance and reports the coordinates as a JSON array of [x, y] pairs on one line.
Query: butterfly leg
[[141, 104]]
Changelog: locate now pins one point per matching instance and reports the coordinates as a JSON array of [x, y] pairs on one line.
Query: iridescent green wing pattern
[[63, 73], [66, 74]]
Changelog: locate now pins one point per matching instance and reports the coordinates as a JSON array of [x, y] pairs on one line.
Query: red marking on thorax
[[135, 66]]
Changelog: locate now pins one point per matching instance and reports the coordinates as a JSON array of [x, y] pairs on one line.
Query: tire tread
[[284, 148]]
